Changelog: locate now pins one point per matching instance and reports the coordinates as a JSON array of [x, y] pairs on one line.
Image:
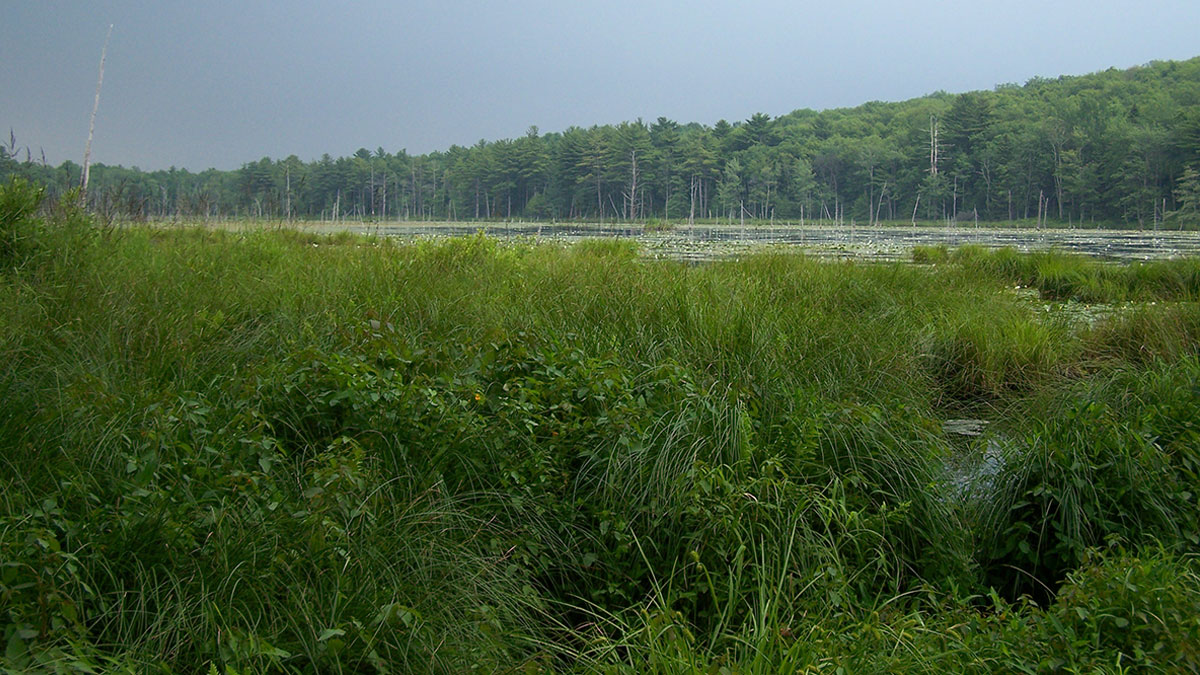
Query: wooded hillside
[[1119, 147]]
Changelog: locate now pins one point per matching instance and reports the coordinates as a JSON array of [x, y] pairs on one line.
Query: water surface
[[709, 242]]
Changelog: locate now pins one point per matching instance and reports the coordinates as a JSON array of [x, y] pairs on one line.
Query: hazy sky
[[219, 83]]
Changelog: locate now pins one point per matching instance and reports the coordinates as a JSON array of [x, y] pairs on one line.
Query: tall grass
[[1061, 276], [271, 451]]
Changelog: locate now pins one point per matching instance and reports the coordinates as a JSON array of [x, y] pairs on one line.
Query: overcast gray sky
[[219, 83]]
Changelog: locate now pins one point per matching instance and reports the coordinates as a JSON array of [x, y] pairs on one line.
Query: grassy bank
[[273, 451]]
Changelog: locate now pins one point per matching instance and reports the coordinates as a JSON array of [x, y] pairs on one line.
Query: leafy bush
[[1135, 612]]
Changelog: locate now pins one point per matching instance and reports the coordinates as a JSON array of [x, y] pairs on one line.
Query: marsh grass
[[1062, 276], [266, 451]]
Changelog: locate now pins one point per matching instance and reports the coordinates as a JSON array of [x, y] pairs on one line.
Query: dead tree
[[933, 145], [631, 197], [87, 152]]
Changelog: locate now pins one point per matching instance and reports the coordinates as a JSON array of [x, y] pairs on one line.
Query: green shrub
[[1137, 612]]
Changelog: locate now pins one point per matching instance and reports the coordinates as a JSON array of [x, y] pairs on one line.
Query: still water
[[710, 242]]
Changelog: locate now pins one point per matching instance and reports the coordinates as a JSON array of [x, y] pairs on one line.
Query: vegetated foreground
[[252, 452]]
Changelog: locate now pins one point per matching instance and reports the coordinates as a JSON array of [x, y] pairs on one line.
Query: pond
[[709, 242]]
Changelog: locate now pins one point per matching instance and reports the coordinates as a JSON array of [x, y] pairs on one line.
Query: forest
[[1118, 148]]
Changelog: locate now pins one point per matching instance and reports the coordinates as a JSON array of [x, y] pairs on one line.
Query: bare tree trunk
[[870, 195], [879, 205], [372, 190], [412, 175], [692, 196], [87, 152], [631, 198], [1058, 182], [667, 199], [954, 206], [933, 146], [287, 179]]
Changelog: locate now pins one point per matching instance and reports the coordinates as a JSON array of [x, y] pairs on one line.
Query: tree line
[[1119, 147]]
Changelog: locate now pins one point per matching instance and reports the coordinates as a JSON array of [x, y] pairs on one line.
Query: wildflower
[[478, 397]]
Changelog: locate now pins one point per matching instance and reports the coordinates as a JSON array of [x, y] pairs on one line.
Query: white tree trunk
[[87, 152]]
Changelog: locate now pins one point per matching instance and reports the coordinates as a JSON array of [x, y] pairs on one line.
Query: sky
[[219, 83]]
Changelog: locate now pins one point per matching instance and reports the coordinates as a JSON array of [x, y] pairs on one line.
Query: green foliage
[[538, 207], [1109, 460], [1115, 148], [930, 255], [19, 203], [657, 225], [1187, 196], [275, 451], [1147, 334], [615, 249], [994, 352], [1141, 613], [1064, 277]]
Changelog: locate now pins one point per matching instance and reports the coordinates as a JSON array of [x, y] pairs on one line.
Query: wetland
[[286, 450]]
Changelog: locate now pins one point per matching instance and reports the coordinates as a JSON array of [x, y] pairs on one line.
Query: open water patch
[[715, 242], [980, 465]]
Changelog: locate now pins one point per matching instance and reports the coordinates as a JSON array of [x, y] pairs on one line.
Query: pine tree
[[1187, 197]]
